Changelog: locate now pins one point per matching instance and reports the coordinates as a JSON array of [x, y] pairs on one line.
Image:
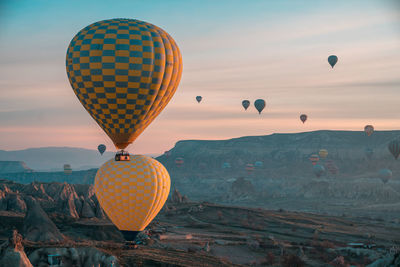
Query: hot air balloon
[[245, 104], [369, 129], [303, 118], [249, 168], [323, 153], [260, 105], [318, 170], [369, 152], [179, 162], [331, 167], [226, 165], [198, 99], [394, 148], [132, 192], [67, 169], [258, 164], [332, 60], [314, 158], [167, 153], [385, 175], [101, 148], [124, 72]]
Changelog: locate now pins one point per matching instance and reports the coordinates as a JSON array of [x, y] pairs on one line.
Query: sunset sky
[[231, 50]]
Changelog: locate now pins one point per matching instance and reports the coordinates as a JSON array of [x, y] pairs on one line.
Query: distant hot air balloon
[[385, 175], [226, 165], [67, 169], [323, 153], [369, 129], [179, 162], [331, 167], [124, 72], [303, 118], [314, 158], [132, 192], [260, 105], [101, 148], [394, 148], [249, 168], [199, 98], [258, 164], [369, 152], [245, 104], [332, 60], [318, 170]]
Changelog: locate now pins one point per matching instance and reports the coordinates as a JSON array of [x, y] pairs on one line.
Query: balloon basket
[[122, 156]]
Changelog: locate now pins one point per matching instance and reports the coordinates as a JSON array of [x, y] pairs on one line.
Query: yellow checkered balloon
[[124, 72], [132, 192]]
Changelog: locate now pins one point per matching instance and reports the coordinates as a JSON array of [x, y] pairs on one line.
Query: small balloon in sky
[[101, 148], [199, 98], [332, 60], [303, 118], [260, 105], [246, 104]]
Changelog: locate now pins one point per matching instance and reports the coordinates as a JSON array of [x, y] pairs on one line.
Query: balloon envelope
[[245, 104], [369, 129], [332, 60], [132, 192], [323, 153], [249, 167], [394, 148], [260, 105], [303, 118], [67, 169], [314, 158], [318, 170], [179, 162], [101, 148], [258, 164], [199, 98], [124, 72]]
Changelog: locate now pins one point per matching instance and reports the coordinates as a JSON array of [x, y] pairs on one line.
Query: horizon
[[289, 70], [227, 139]]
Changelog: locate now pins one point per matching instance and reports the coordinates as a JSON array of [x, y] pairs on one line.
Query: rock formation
[[12, 252], [38, 226]]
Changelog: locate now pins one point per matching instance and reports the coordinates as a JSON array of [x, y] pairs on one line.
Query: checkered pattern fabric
[[132, 192], [124, 72]]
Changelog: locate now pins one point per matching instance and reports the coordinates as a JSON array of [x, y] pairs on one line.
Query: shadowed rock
[[12, 252], [38, 226], [15, 203]]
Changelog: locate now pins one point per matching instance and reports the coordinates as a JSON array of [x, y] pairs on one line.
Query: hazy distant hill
[[13, 167], [54, 158], [280, 150]]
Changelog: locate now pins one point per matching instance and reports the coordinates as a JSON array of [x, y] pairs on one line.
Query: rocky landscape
[[43, 219], [279, 214]]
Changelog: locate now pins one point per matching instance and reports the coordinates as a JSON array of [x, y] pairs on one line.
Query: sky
[[231, 50]]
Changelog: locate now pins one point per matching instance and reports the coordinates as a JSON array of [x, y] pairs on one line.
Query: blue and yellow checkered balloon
[[124, 72]]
